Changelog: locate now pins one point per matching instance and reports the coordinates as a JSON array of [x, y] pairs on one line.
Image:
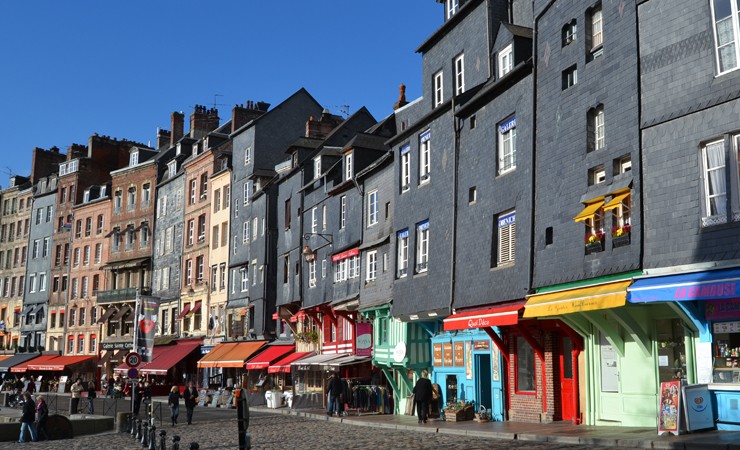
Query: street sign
[[133, 373], [133, 359]]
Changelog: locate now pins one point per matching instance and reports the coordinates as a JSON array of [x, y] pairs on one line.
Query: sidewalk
[[557, 432]]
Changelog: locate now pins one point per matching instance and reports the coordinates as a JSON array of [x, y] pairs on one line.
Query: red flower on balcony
[[621, 231]]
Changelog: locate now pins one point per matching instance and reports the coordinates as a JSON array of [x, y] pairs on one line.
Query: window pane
[[525, 365]]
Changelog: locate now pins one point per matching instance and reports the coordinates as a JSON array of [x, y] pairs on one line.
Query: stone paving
[[270, 431]]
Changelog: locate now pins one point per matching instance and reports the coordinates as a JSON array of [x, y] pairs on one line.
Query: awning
[[196, 308], [348, 360], [125, 264], [184, 311], [4, 357], [315, 361], [27, 310], [589, 211], [58, 363], [616, 201], [18, 358], [110, 356], [106, 315], [589, 298], [708, 285], [39, 359], [268, 356], [490, 317], [167, 356], [121, 312], [231, 354], [284, 364]]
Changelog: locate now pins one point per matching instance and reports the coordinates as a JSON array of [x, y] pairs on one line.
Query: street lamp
[[309, 254]]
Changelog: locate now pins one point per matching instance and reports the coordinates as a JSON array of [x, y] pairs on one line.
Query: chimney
[[203, 120], [242, 114], [319, 129], [178, 127], [401, 97], [164, 138]]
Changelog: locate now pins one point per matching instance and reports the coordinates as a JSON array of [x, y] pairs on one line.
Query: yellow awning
[[603, 296], [616, 201], [589, 211]]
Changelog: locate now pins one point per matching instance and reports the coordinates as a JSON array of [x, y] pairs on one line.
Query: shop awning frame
[[18, 358], [58, 363], [284, 364], [230, 354], [588, 298], [167, 356], [589, 211], [106, 315], [39, 359], [496, 316], [121, 312], [268, 356], [184, 312]]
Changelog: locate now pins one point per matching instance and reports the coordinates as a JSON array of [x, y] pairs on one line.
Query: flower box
[[621, 241], [594, 247]]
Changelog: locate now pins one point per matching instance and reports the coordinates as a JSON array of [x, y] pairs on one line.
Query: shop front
[[608, 347], [171, 365], [230, 358], [708, 303]]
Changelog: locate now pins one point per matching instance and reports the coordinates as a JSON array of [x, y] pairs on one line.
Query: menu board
[[438, 355], [727, 327], [669, 408], [459, 354], [447, 353]]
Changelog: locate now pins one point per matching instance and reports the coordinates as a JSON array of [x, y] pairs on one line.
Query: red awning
[[195, 308], [22, 367], [284, 364], [166, 356], [59, 363], [481, 318], [185, 310], [269, 355]]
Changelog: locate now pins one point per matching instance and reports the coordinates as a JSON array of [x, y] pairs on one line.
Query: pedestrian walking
[[173, 402], [42, 414], [334, 392], [422, 396], [76, 390], [109, 387], [91, 395], [28, 417], [138, 392], [191, 399]]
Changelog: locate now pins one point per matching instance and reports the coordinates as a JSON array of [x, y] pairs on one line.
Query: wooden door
[[568, 389]]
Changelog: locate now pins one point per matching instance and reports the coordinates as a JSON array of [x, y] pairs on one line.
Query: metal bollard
[[175, 442], [152, 438], [137, 436], [145, 435], [133, 426], [162, 440], [194, 446]]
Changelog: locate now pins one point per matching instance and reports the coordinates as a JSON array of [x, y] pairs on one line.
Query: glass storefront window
[[670, 338], [726, 338], [524, 366]]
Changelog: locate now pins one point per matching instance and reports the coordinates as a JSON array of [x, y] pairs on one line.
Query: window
[[247, 155], [76, 257], [224, 234], [402, 242], [71, 344], [312, 274], [472, 195], [348, 163], [425, 144], [244, 277], [451, 7], [315, 219], [191, 231], [715, 194], [222, 284], [95, 288], [75, 282], [98, 253], [133, 158], [623, 165], [246, 193], [169, 236], [162, 209], [165, 278], [39, 215], [506, 238], [80, 343], [405, 167], [286, 269], [597, 175], [88, 226], [44, 248], [569, 77], [188, 272], [85, 293], [372, 208], [131, 200], [323, 218], [203, 186], [507, 146], [727, 29], [619, 205], [597, 31], [117, 202], [172, 167], [570, 32], [216, 200], [146, 195], [214, 237], [422, 246], [459, 74], [99, 228], [372, 266], [214, 278], [93, 341], [438, 89], [316, 168], [342, 212], [201, 228], [287, 214], [227, 196], [86, 256], [78, 229], [596, 125], [199, 268], [255, 228], [505, 60], [193, 184], [524, 366], [42, 282]]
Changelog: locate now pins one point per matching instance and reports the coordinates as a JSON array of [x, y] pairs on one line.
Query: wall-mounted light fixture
[[309, 254]]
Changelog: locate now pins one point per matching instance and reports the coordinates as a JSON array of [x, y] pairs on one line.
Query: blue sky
[[70, 69]]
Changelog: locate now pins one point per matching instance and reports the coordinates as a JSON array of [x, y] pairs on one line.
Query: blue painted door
[[483, 381]]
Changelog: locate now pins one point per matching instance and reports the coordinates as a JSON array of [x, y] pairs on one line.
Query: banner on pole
[[146, 327]]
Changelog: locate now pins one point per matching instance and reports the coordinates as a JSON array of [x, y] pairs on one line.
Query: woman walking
[[42, 413], [174, 403], [27, 419]]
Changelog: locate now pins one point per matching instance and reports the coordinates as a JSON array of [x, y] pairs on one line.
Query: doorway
[[483, 380], [568, 388]]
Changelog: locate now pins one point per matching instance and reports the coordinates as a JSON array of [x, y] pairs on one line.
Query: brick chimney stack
[[203, 121], [178, 127], [242, 114], [319, 129], [164, 137], [401, 97]]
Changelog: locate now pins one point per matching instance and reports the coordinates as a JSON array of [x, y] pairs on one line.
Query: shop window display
[[671, 350], [726, 352]]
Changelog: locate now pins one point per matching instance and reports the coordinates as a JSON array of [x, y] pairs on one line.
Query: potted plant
[[621, 235], [594, 242]]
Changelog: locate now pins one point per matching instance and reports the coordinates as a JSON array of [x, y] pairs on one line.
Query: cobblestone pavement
[[270, 431]]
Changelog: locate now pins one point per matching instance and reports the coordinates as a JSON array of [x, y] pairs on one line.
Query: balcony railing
[[119, 295]]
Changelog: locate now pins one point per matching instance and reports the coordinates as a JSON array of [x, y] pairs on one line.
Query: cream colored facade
[[219, 257]]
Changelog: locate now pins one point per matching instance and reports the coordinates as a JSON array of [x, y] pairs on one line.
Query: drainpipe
[[456, 127]]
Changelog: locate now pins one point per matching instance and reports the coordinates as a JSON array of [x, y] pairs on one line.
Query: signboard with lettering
[[345, 254], [468, 360], [447, 353], [116, 345], [722, 309], [459, 354], [364, 344], [437, 355], [669, 409], [481, 345]]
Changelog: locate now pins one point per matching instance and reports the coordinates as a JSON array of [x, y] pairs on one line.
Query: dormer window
[[451, 8], [172, 167], [178, 149], [348, 169], [134, 158], [86, 197], [317, 168], [505, 60]]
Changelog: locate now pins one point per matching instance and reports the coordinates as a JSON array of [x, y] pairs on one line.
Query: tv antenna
[[344, 109]]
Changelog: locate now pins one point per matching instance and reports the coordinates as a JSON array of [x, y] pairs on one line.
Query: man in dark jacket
[[191, 399], [334, 390], [27, 418], [422, 396]]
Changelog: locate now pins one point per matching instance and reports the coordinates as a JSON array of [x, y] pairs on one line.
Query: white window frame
[[505, 60], [405, 168], [506, 236], [317, 168], [371, 273], [714, 178], [451, 8], [599, 128], [348, 166], [244, 279], [507, 146], [597, 29], [134, 158], [372, 208], [438, 88], [342, 212], [425, 144], [402, 242], [422, 247], [247, 155], [312, 274], [247, 193], [731, 47], [245, 232], [460, 74], [315, 219]]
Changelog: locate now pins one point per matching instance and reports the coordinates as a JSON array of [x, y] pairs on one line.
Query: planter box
[[455, 416], [594, 247], [621, 241]]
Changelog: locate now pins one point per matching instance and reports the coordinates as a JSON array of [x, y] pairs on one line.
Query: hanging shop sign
[[459, 354], [722, 309], [364, 343], [447, 354], [437, 355]]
